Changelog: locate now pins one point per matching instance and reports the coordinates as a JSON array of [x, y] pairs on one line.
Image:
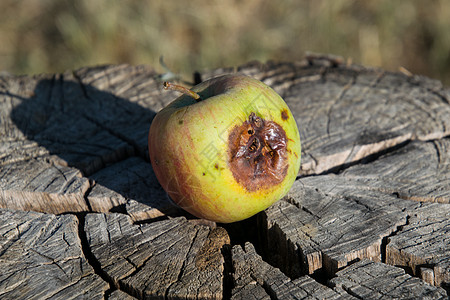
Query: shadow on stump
[[102, 135]]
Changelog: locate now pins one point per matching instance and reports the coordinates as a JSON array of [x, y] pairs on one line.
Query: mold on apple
[[257, 149]]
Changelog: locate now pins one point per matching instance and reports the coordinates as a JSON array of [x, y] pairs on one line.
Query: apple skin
[[191, 149]]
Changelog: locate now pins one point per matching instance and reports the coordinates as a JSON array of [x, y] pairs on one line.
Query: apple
[[226, 149]]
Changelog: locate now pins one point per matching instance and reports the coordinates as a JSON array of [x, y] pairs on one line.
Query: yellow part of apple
[[228, 155]]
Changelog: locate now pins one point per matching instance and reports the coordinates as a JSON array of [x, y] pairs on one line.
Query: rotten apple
[[226, 149]]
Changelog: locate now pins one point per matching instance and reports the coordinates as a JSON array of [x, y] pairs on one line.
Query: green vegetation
[[55, 35]]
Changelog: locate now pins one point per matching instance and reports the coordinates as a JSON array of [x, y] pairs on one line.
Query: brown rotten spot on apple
[[257, 153], [284, 115]]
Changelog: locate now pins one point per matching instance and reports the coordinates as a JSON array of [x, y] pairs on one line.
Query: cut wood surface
[[83, 216], [170, 258], [41, 258], [256, 279], [371, 280]]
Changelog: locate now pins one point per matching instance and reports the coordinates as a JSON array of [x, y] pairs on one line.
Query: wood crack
[[90, 257], [373, 142], [86, 195], [183, 266], [385, 239], [365, 160], [228, 272]]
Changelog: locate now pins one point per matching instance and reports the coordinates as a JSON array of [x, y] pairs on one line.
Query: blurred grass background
[[42, 36]]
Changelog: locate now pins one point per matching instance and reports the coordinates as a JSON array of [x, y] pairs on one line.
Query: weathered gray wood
[[423, 244], [77, 142], [119, 295], [256, 279], [372, 280], [41, 258], [49, 112], [128, 98], [84, 120], [419, 171], [348, 112], [315, 232], [170, 258], [97, 116], [329, 221], [133, 185], [36, 185]]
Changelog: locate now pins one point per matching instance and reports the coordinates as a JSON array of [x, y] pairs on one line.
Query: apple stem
[[181, 89]]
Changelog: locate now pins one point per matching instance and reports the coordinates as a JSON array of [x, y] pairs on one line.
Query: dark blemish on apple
[[203, 173], [284, 115], [180, 122], [216, 166], [257, 153]]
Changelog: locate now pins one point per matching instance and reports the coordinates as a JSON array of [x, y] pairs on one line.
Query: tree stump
[[83, 216]]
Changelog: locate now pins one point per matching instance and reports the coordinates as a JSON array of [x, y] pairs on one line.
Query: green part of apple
[[228, 155]]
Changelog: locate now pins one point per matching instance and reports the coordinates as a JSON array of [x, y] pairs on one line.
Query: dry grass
[[55, 35]]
